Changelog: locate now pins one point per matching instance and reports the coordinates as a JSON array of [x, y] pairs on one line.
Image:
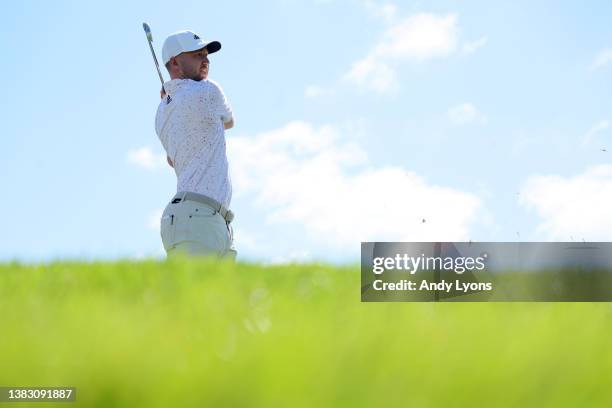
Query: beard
[[197, 74]]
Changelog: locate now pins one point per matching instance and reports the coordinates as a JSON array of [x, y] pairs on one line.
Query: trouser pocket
[[168, 229]]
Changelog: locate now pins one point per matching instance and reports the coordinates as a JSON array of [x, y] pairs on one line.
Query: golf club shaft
[[150, 41]]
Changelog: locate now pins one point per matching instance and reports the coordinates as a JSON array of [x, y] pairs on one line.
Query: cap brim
[[213, 46]]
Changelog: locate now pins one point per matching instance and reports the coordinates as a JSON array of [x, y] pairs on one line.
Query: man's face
[[193, 65]]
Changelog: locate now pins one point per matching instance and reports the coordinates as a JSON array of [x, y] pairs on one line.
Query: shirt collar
[[174, 85]]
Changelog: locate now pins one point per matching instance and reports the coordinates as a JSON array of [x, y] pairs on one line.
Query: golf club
[[147, 30]]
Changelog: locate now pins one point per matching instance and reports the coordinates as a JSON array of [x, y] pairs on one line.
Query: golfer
[[191, 121]]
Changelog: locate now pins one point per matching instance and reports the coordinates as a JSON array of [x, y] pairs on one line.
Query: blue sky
[[355, 120]]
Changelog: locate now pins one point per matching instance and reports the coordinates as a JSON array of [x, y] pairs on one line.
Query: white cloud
[[465, 113], [145, 158], [419, 37], [371, 74], [471, 47], [577, 206], [597, 128], [316, 179], [602, 59]]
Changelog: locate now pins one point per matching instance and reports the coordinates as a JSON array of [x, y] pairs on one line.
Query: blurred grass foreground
[[200, 332]]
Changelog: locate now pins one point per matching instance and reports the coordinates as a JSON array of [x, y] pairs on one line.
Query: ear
[[176, 68]]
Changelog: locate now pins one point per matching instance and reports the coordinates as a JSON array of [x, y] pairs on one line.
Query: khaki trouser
[[194, 228]]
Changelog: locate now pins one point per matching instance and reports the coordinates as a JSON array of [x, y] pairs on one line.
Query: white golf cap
[[186, 41]]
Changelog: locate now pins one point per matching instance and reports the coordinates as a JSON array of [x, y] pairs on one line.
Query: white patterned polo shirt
[[189, 124]]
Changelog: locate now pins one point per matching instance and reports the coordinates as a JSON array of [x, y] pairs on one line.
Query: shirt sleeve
[[224, 109]]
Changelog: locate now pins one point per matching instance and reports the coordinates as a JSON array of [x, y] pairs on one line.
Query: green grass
[[193, 333]]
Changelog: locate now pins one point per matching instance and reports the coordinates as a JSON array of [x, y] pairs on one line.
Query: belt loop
[[179, 197]]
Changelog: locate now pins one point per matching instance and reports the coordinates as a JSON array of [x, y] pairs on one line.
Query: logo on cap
[[195, 37]]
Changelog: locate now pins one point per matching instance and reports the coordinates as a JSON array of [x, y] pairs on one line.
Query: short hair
[[168, 66]]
